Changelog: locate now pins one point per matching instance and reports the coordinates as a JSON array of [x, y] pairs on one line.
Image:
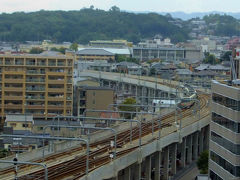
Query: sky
[[188, 6]]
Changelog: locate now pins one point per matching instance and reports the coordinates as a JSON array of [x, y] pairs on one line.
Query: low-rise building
[[91, 54], [97, 98]]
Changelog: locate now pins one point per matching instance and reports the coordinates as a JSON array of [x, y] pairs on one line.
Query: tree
[[114, 9], [121, 58], [210, 59], [74, 46], [61, 49], [226, 56], [128, 101], [4, 153], [202, 162], [36, 50]]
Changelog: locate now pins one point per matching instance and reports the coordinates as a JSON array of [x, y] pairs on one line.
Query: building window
[[40, 128], [231, 125], [234, 170], [94, 101], [13, 124], [225, 101], [234, 148], [25, 125], [55, 128], [214, 176]]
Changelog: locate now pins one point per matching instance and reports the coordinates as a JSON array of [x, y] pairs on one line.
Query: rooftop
[[227, 83], [94, 51], [19, 118], [44, 54], [95, 88]]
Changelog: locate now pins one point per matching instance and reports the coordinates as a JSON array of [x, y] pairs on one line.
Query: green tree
[[61, 49], [114, 9], [4, 153], [121, 58], [128, 101], [87, 24], [226, 56], [35, 50], [202, 162], [74, 46], [152, 71], [210, 59]]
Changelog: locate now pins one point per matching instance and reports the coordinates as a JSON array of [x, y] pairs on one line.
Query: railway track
[[75, 168]]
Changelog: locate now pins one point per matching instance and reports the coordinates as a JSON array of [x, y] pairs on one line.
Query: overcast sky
[[129, 5]]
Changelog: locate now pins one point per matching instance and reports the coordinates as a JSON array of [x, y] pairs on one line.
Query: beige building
[[224, 163], [19, 124], [36, 84], [97, 98]]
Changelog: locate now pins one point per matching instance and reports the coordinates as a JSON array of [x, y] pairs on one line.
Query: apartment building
[[224, 163], [40, 85]]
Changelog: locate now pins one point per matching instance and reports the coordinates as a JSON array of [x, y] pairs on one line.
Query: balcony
[[35, 89], [51, 64], [35, 106], [69, 81], [56, 89], [18, 63], [60, 64], [41, 63], [30, 63], [60, 81], [35, 80], [35, 72], [8, 63], [60, 106], [13, 106], [57, 98], [20, 81], [13, 89], [69, 98], [12, 97], [35, 97]]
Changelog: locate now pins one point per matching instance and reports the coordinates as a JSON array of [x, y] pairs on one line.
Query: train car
[[186, 105]]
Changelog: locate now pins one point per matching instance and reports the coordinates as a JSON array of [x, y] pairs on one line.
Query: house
[[129, 68]]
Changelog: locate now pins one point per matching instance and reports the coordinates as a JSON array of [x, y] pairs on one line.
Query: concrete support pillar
[[127, 173], [109, 83], [189, 150], [166, 163], [130, 88], [174, 158], [183, 152], [157, 162], [206, 139], [137, 172], [195, 145], [148, 168], [201, 136], [136, 93]]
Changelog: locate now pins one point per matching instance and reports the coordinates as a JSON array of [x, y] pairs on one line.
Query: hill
[[85, 25], [222, 25]]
